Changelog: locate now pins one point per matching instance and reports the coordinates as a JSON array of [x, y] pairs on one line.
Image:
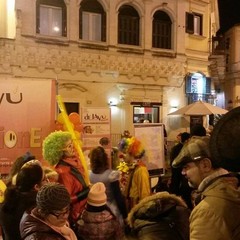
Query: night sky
[[229, 11]]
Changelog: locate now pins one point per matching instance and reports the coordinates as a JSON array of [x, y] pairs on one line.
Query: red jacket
[[75, 187]]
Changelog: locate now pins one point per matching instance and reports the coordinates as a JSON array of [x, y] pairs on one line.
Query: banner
[[27, 110]]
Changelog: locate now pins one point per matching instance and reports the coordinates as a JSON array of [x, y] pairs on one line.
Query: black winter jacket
[[12, 211]]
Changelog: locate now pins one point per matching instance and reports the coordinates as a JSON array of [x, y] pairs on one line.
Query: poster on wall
[[96, 125], [27, 110], [152, 137]]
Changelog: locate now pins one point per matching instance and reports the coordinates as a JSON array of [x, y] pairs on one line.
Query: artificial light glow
[[56, 29], [113, 102], [174, 103]]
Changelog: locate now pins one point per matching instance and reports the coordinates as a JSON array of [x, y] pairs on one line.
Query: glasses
[[68, 147], [62, 214]]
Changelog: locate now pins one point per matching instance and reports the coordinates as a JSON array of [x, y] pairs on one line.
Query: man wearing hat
[[217, 210]]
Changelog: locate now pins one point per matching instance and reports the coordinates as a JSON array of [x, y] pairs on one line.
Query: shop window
[[128, 26], [194, 22], [51, 18], [161, 29], [92, 21], [147, 114]]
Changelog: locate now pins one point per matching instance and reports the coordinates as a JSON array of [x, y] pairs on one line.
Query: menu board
[[96, 125], [152, 137]]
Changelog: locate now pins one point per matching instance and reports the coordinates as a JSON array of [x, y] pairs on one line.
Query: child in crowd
[[100, 172], [97, 220]]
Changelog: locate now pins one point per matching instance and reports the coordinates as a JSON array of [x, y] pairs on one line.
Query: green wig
[[53, 146]]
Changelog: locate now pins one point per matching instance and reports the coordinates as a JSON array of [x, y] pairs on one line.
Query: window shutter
[[188, 83], [189, 22], [208, 85], [80, 23]]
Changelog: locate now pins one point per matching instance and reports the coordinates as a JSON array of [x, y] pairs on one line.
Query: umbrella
[[199, 108]]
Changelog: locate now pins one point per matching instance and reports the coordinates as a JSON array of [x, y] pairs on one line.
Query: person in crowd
[[100, 172], [178, 138], [58, 150], [97, 220], [198, 130], [209, 130], [179, 184], [161, 216], [17, 165], [135, 180], [104, 142], [50, 174], [49, 219], [126, 134], [217, 210], [20, 197]]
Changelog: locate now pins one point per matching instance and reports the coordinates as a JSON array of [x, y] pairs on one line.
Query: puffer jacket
[[217, 215], [33, 229], [162, 216]]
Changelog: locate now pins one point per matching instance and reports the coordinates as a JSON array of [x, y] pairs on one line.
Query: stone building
[[134, 54]]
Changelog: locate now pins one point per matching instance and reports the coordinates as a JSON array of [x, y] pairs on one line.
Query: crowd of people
[[55, 201]]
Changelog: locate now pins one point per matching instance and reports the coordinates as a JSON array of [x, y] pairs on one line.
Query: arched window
[[161, 30], [128, 26], [51, 17], [92, 21]]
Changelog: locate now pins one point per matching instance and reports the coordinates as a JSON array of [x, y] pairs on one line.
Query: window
[[128, 26], [198, 83], [194, 23], [161, 29], [51, 18], [92, 21]]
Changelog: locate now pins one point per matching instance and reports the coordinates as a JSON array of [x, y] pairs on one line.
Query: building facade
[[134, 55]]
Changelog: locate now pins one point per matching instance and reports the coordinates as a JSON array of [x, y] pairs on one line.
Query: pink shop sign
[[27, 110]]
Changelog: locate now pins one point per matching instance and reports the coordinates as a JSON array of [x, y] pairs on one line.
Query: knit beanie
[[53, 197], [97, 196]]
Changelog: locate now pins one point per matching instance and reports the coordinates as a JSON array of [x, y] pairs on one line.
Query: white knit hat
[[97, 196]]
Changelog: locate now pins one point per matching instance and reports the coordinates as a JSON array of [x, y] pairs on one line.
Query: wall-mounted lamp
[[174, 104], [112, 102]]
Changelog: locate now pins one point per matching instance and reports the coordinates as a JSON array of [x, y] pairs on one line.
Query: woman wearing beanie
[[20, 197], [59, 151], [97, 221], [49, 220], [100, 172]]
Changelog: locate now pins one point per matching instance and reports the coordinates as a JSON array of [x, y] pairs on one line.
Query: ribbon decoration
[[77, 142]]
